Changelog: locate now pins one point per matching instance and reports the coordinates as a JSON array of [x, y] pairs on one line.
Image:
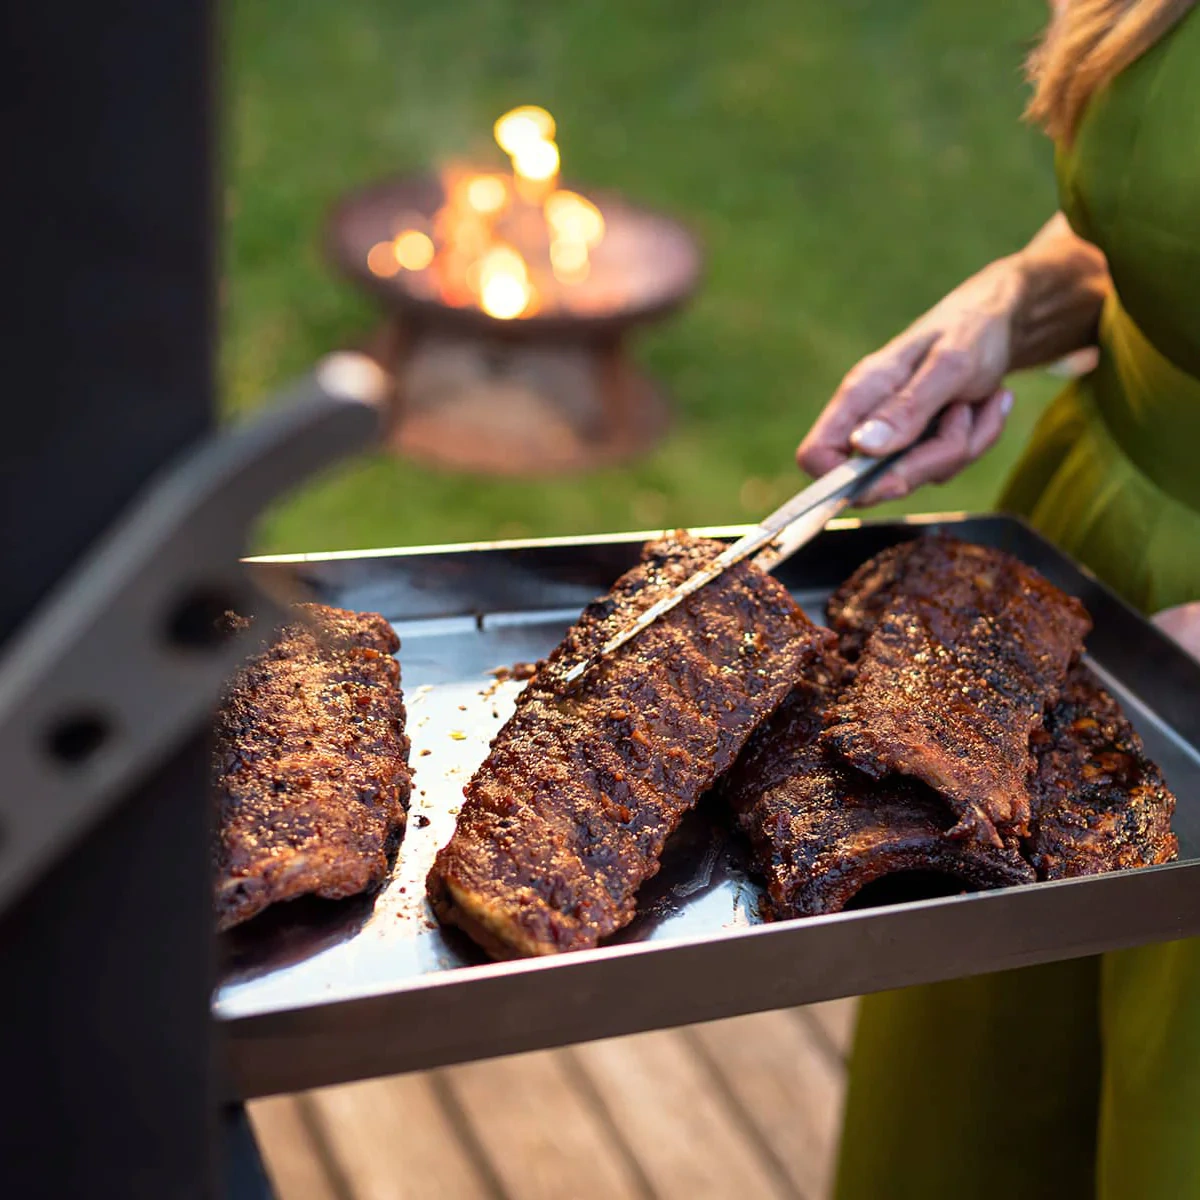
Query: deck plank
[[836, 1019], [660, 1096], [393, 1140], [789, 1086], [293, 1165], [748, 1107], [541, 1134]]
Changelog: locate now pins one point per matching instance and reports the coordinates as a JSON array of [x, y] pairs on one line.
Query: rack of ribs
[[1100, 803], [958, 651], [568, 814], [310, 765], [821, 832]]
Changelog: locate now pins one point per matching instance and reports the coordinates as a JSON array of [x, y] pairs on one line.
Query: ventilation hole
[[901, 887], [199, 621], [74, 739]]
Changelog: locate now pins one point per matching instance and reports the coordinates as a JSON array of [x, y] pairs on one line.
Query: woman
[[1080, 1078]]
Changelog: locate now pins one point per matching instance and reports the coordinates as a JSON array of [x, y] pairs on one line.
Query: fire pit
[[510, 298]]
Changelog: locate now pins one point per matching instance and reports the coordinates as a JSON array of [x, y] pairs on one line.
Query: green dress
[[1079, 1079]]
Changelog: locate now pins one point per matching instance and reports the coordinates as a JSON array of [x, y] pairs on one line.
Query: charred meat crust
[[1100, 803], [567, 816], [959, 649], [310, 765], [820, 831]]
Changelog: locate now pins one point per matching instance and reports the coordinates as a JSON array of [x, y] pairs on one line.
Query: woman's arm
[[1063, 281], [1030, 308]]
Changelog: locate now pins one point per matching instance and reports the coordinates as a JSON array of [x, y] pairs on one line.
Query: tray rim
[[506, 1008], [734, 530], [1181, 659], [628, 950]]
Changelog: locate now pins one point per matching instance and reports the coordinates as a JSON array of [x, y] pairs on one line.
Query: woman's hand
[[1183, 624], [952, 361], [1021, 311]]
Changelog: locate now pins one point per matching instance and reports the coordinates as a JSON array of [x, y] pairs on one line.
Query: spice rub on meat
[[959, 649], [1100, 803], [822, 832], [310, 765], [567, 816]]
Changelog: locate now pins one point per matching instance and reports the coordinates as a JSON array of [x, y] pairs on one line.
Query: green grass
[[844, 164]]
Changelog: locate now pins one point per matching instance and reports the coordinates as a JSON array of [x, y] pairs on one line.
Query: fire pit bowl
[[546, 389]]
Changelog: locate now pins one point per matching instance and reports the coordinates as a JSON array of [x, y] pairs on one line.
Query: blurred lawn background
[[844, 165]]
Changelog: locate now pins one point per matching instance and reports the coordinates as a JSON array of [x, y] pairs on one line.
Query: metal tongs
[[773, 541]]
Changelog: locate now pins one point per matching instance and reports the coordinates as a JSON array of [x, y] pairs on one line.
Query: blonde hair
[[1087, 44]]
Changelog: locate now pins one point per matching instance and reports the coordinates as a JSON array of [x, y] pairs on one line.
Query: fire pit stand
[[551, 392]]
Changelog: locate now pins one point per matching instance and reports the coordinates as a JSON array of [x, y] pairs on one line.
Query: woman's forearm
[[1060, 282], [1030, 308]]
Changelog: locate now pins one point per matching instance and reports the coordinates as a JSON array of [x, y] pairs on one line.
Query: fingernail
[[873, 437], [1006, 403]]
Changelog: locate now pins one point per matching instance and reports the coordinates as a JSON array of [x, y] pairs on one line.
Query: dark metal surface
[[109, 257], [245, 1175], [108, 374], [106, 1045], [316, 993]]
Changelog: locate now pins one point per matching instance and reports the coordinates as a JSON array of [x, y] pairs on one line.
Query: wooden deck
[[747, 1109]]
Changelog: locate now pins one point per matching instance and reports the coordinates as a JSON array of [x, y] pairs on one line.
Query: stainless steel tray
[[317, 992]]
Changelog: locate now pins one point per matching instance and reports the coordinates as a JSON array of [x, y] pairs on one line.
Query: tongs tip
[[577, 672]]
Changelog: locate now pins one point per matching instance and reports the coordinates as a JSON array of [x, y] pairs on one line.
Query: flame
[[381, 260], [464, 233], [413, 250], [500, 243], [487, 194], [526, 135], [504, 290], [522, 126], [569, 261], [576, 225], [537, 161], [574, 218]]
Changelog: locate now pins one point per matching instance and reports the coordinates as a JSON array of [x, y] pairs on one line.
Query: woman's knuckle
[[903, 412], [955, 360]]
